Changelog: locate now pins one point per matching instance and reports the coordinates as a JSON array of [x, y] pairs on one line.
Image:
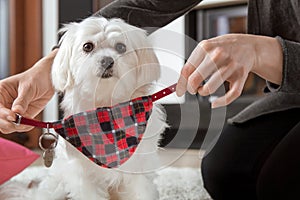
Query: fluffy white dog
[[100, 63]]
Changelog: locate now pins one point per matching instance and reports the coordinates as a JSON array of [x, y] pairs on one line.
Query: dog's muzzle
[[106, 70]]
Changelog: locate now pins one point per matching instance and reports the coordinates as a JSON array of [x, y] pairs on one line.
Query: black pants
[[259, 159]]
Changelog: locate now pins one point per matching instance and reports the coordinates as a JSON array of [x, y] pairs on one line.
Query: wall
[[218, 3], [169, 45]]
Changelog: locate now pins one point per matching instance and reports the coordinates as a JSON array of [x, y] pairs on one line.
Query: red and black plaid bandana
[[108, 136]]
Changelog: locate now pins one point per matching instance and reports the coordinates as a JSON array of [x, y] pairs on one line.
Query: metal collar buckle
[[18, 119]]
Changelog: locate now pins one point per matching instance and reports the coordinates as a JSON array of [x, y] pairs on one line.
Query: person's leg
[[280, 175], [231, 169]]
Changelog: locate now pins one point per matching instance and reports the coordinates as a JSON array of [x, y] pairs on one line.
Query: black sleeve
[[291, 68], [147, 13]]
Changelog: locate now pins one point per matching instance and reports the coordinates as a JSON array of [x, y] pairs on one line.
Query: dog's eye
[[120, 48], [88, 47]]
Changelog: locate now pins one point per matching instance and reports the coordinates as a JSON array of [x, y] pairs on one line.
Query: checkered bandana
[[108, 136]]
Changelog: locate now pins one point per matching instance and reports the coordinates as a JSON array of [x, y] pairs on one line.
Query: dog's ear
[[149, 68], [62, 77]]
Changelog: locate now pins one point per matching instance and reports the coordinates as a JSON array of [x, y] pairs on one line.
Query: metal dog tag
[[48, 142], [48, 157]]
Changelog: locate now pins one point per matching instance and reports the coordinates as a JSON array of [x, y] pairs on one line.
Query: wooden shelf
[[218, 3]]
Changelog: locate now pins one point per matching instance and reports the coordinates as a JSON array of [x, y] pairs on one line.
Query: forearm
[[269, 61], [151, 13], [278, 63]]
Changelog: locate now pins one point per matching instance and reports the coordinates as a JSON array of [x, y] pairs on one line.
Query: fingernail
[[10, 118], [179, 91], [179, 94]]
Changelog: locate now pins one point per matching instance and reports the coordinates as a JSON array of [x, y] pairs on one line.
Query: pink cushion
[[13, 159]]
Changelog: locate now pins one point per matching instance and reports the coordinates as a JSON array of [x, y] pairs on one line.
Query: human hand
[[230, 58], [26, 93]]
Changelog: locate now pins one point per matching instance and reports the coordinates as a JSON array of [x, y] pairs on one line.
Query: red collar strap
[[31, 122]]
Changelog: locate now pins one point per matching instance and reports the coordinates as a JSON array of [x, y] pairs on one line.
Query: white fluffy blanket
[[180, 184], [172, 184]]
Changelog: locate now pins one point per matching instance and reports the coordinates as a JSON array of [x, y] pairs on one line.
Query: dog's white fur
[[78, 74]]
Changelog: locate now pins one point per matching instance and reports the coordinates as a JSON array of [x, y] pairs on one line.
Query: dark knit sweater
[[275, 18], [281, 19]]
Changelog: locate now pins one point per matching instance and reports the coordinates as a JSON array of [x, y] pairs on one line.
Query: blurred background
[[28, 31]]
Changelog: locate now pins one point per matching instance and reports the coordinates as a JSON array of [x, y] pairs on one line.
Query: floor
[[185, 158]]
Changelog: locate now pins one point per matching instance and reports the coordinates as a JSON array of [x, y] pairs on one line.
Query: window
[[4, 56]]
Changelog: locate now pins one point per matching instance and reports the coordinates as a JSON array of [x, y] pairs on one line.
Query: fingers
[[183, 79], [203, 62], [191, 65], [6, 126], [214, 82], [203, 72], [181, 86], [217, 60], [234, 92], [6, 114], [7, 117], [11, 128], [21, 103]]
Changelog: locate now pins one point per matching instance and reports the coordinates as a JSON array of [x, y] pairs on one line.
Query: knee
[[213, 177], [224, 180]]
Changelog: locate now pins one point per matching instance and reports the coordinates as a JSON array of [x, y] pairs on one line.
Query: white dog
[[100, 63]]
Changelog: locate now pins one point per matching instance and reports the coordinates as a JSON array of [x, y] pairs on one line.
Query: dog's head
[[108, 57]]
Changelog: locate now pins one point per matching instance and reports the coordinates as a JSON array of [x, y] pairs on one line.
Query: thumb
[[21, 103]]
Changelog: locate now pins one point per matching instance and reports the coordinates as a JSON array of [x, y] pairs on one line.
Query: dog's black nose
[[107, 62]]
